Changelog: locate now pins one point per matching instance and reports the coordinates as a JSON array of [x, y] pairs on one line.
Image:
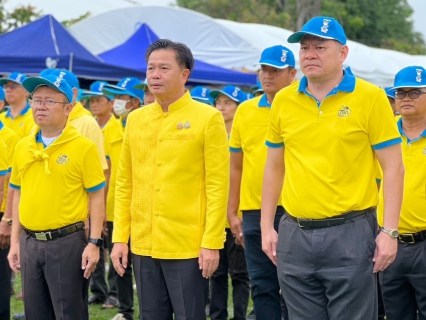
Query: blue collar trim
[[1, 125], [346, 85], [22, 113], [263, 102], [401, 131]]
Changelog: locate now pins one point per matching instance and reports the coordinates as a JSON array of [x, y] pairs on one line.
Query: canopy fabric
[[131, 54]]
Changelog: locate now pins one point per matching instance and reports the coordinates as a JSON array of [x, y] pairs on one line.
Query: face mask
[[120, 108]]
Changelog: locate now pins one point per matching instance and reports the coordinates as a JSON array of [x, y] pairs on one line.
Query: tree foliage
[[378, 23]]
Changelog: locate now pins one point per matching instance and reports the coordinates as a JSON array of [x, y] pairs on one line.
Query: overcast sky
[[65, 10]]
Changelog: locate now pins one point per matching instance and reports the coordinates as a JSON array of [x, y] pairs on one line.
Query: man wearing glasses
[[48, 243], [404, 281], [19, 117]]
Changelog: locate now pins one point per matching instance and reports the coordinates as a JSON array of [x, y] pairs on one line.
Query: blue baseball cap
[[125, 86], [232, 92], [16, 77], [323, 27], [142, 85], [390, 92], [67, 75], [96, 91], [278, 57], [256, 88], [248, 95], [410, 77], [200, 93], [55, 82], [1, 94]]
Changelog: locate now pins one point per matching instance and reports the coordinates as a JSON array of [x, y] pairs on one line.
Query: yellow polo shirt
[[173, 180], [88, 127], [4, 163], [412, 218], [54, 180], [248, 136], [10, 138], [22, 123], [329, 146], [113, 141]]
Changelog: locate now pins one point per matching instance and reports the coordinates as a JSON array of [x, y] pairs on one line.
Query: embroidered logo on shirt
[[344, 111], [325, 24], [424, 150], [62, 159]]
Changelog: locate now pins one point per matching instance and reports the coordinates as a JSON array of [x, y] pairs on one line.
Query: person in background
[[202, 94], [53, 253], [390, 93], [232, 260], [148, 97], [18, 117], [404, 281], [257, 89]]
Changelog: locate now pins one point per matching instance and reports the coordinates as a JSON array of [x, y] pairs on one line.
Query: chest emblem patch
[[344, 111], [62, 159]]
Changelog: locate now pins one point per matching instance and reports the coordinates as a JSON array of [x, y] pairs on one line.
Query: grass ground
[[95, 311]]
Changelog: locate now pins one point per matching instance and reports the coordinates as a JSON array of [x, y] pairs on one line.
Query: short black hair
[[184, 55]]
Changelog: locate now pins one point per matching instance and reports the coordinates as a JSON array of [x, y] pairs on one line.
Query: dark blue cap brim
[[215, 93], [31, 84], [92, 94], [140, 86], [114, 92], [6, 80]]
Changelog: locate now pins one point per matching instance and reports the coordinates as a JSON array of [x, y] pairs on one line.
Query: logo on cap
[[419, 75], [325, 23], [59, 79], [101, 86], [204, 92], [284, 56], [18, 78], [235, 93], [124, 84]]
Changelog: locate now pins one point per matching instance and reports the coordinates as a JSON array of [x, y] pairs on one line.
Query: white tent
[[224, 43]]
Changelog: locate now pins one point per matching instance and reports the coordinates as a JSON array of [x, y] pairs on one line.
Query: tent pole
[[71, 61]]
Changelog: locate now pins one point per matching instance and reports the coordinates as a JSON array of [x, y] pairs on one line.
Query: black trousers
[[232, 260], [52, 279], [124, 285], [169, 287], [98, 284], [327, 273], [404, 283], [5, 285]]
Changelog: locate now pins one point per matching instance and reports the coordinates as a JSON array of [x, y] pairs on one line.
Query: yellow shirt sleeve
[[274, 138], [89, 128], [235, 139], [216, 156], [123, 194], [93, 176], [4, 165]]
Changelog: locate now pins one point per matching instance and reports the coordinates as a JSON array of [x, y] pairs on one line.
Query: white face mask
[[120, 108]]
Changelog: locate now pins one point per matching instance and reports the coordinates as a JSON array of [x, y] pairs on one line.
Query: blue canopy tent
[[45, 43], [131, 54]]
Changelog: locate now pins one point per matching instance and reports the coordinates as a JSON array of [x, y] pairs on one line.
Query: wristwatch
[[393, 233], [9, 221], [98, 242]]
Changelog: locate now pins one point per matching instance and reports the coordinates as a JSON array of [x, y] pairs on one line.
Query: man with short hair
[[248, 156], [404, 282], [53, 252], [324, 135], [18, 117], [171, 191]]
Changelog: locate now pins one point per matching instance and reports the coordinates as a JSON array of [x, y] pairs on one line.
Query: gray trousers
[[404, 283], [327, 273], [166, 287], [52, 279]]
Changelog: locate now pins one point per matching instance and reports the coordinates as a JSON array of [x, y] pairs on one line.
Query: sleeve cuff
[[3, 172], [235, 149], [107, 157], [120, 236], [274, 145], [387, 143], [212, 242], [14, 186], [9, 170], [96, 188]]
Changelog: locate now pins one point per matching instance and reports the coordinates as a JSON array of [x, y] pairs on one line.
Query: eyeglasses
[[47, 103], [413, 94], [11, 85]]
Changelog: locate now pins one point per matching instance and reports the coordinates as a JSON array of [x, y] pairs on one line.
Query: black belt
[[54, 234], [329, 222], [412, 238], [280, 209]]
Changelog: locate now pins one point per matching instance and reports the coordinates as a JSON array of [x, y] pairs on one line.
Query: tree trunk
[[306, 9]]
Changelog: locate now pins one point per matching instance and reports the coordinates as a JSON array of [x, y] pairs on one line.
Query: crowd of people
[[309, 195]]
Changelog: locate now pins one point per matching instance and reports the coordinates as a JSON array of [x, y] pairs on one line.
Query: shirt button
[[161, 138], [157, 188], [159, 163], [157, 214], [320, 112], [165, 115]]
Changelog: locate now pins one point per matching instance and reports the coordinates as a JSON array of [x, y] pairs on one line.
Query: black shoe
[[19, 316], [251, 315], [94, 299]]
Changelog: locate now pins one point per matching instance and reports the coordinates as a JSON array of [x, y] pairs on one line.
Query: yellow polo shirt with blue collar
[[22, 123], [329, 146], [248, 136], [113, 141], [413, 211], [10, 138], [55, 180], [173, 180]]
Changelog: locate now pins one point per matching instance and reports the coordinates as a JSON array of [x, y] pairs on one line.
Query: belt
[[54, 234], [412, 238], [280, 209], [329, 222]]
